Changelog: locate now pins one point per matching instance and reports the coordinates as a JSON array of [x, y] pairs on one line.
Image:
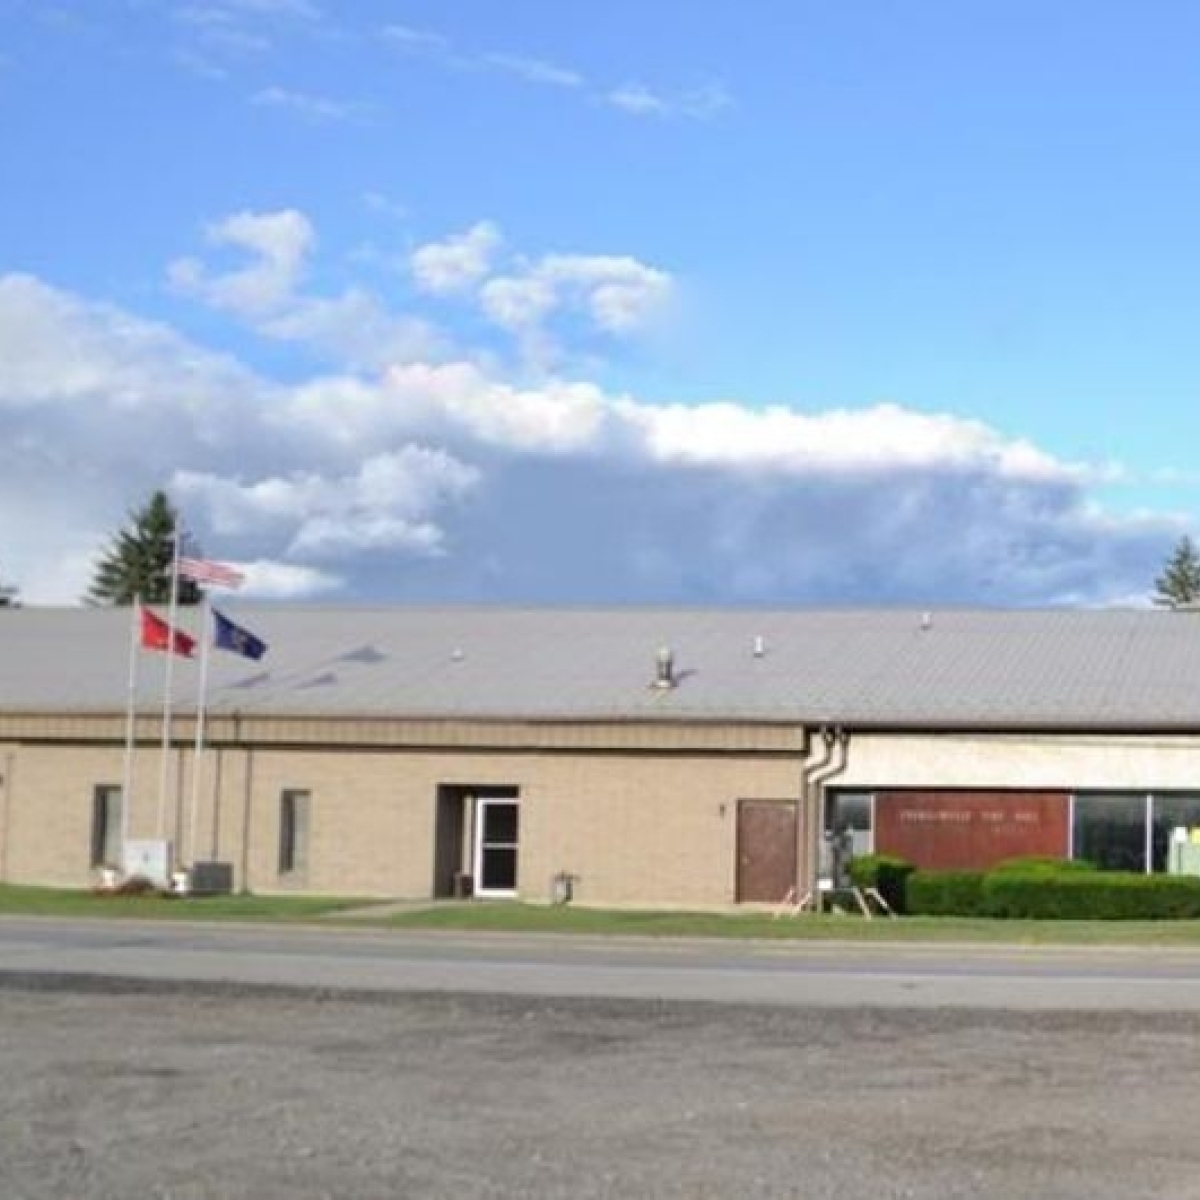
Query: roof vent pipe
[[760, 646], [664, 668]]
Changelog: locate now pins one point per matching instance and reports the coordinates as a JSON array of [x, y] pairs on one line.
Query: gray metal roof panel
[[1110, 668]]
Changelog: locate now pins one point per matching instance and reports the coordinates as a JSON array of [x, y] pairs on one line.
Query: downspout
[[247, 787], [6, 811], [805, 837], [835, 754]]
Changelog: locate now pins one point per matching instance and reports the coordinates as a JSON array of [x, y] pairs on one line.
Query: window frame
[[295, 815], [107, 835]]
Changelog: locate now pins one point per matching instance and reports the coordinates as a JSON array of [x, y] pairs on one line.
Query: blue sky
[[779, 302]]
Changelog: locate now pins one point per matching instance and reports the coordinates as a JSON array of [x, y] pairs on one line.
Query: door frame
[[785, 807], [482, 804]]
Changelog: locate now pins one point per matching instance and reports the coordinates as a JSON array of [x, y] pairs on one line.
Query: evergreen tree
[[1179, 584], [9, 596], [138, 561]]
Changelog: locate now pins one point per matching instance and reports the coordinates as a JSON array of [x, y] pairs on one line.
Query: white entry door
[[497, 825]]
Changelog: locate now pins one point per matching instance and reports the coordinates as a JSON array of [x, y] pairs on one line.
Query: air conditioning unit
[[210, 879]]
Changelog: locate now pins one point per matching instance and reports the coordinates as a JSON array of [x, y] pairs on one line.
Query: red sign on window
[[970, 830]]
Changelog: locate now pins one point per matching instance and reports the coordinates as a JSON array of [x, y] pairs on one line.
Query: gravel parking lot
[[119, 1090]]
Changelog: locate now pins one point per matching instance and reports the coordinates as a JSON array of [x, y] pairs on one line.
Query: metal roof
[[1081, 669]]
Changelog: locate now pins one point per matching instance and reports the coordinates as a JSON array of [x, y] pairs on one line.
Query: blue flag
[[233, 637]]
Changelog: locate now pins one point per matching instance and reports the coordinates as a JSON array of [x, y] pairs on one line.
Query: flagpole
[[201, 712], [130, 721], [168, 674]]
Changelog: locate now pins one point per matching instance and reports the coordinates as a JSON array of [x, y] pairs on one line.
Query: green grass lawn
[[514, 917], [61, 902], [525, 918]]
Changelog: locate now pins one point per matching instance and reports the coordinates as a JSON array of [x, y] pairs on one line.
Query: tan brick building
[[654, 757]]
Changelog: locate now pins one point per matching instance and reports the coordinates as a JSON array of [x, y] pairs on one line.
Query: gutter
[[810, 825]]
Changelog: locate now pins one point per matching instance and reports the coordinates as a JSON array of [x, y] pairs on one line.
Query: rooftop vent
[[760, 646], [926, 621], [664, 668]]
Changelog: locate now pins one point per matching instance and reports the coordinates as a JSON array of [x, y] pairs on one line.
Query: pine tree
[[138, 560], [1179, 584]]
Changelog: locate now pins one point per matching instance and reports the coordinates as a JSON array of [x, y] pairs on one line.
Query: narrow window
[[106, 825], [293, 831]]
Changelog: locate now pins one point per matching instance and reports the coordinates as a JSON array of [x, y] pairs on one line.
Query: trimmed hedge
[[1043, 893], [1041, 890], [884, 872], [945, 894], [1029, 888], [1036, 864], [1092, 895]]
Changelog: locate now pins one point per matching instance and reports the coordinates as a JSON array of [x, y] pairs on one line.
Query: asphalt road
[[811, 974], [191, 1091], [196, 1061]]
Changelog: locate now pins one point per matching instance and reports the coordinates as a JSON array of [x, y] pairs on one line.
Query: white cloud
[[269, 580], [697, 104], [310, 107], [632, 98], [324, 535], [93, 401], [639, 100], [304, 9], [457, 262], [616, 295], [215, 35], [448, 481], [388, 503], [620, 293], [224, 13], [354, 327], [78, 361], [519, 303], [453, 403], [408, 36], [378, 202], [536, 70], [459, 399], [884, 438], [279, 244]]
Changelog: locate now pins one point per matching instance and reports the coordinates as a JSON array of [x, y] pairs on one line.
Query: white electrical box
[[148, 859]]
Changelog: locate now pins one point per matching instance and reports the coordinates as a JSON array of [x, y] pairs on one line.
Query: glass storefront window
[[1108, 828], [1110, 831], [850, 812], [1170, 812]]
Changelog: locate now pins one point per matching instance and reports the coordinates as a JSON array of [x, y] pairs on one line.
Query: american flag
[[203, 570]]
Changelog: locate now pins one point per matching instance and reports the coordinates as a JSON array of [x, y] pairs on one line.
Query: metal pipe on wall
[[813, 776], [5, 813], [804, 836]]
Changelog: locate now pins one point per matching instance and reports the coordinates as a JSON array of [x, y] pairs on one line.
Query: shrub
[[884, 872], [1092, 895], [1035, 864], [945, 893]]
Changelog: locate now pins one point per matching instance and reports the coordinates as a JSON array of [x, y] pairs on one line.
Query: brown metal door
[[766, 850]]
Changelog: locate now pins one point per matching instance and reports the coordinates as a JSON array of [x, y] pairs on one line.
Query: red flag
[[158, 635]]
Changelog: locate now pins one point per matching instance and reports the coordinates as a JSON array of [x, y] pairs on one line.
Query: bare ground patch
[[116, 1089]]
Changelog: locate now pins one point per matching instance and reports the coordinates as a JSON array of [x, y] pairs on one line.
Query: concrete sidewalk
[[385, 908]]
